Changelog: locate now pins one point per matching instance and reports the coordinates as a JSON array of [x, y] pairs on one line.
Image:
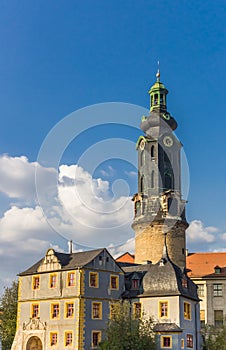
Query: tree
[[125, 332], [214, 338], [8, 314]]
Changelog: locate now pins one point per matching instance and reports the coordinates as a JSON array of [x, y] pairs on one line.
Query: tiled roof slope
[[68, 261], [202, 264]]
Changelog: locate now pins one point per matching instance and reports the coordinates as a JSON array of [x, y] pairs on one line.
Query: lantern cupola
[[158, 94]]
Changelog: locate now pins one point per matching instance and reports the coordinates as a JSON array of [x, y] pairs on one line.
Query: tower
[[159, 209]]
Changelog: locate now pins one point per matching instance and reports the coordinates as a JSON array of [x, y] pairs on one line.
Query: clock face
[[142, 144], [168, 141]]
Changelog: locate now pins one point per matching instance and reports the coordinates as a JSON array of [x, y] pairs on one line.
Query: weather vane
[[158, 71]]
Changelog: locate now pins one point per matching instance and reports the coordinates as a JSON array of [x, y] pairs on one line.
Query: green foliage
[[214, 338], [8, 313], [127, 333]]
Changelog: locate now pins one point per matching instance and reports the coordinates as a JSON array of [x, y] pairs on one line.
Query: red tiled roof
[[202, 264], [126, 257]]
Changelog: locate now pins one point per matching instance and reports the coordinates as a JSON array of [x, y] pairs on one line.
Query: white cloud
[[17, 177], [197, 232], [131, 173], [117, 251], [109, 172]]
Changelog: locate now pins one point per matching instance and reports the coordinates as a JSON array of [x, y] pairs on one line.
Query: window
[[53, 280], [142, 157], [217, 290], [53, 338], [184, 282], [68, 338], [69, 309], [187, 311], [36, 282], [156, 99], [114, 282], [218, 318], [182, 343], [142, 184], [200, 290], [71, 279], [35, 310], [152, 152], [189, 341], [137, 208], [137, 310], [163, 309], [93, 279], [96, 338], [152, 179], [55, 310], [97, 311], [113, 310], [166, 342], [202, 318], [135, 284]]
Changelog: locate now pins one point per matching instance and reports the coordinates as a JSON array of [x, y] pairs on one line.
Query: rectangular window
[[68, 338], [93, 279], [97, 311], [113, 309], [187, 311], [166, 342], [96, 338], [163, 309], [35, 310], [200, 290], [135, 284], [69, 309], [137, 310], [202, 318], [114, 282], [36, 282], [55, 310], [189, 341], [71, 279], [217, 290], [53, 280], [53, 338], [218, 318]]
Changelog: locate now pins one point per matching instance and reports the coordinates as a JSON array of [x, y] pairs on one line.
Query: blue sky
[[57, 57]]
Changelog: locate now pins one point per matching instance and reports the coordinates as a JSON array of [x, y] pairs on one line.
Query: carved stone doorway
[[34, 343]]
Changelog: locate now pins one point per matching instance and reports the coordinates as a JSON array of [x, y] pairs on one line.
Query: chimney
[[70, 246]]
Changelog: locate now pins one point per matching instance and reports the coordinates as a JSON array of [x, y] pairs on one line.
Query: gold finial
[[158, 72]]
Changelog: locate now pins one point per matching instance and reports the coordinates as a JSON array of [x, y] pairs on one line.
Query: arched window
[[137, 208], [168, 181], [152, 152], [172, 206], [142, 184], [142, 157], [152, 179]]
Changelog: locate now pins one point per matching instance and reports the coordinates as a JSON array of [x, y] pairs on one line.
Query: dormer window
[[184, 282], [217, 269], [135, 284]]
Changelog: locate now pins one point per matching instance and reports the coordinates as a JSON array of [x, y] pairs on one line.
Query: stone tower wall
[[149, 243]]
